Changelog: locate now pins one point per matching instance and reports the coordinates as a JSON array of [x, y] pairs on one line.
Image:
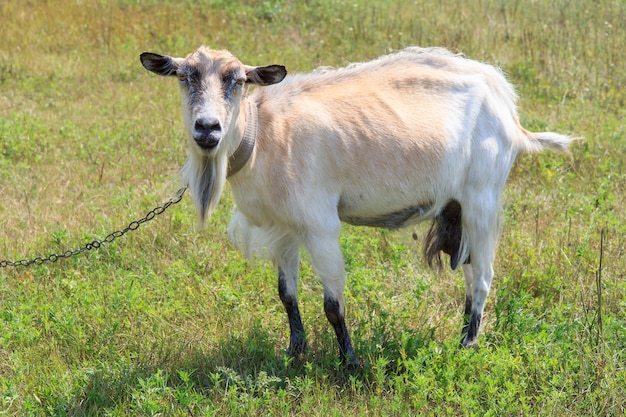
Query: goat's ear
[[159, 64], [271, 74]]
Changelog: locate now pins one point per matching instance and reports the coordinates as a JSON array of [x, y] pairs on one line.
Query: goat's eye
[[182, 77], [233, 80]]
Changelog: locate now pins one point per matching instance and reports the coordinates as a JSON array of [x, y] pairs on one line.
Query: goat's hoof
[[296, 349], [352, 364], [294, 356], [354, 367], [469, 344]]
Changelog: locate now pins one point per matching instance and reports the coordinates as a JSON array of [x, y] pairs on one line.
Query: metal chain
[[97, 243]]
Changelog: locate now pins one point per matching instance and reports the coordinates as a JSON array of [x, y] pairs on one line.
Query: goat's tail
[[539, 141]]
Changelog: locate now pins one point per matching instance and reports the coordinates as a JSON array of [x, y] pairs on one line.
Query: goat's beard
[[205, 176]]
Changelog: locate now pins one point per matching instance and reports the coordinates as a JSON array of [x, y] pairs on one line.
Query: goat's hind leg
[[468, 276], [288, 264], [446, 235], [481, 222]]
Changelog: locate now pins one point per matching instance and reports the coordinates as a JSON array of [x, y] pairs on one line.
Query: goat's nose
[[207, 132], [205, 124]]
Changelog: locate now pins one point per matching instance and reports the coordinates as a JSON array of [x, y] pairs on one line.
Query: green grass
[[170, 320]]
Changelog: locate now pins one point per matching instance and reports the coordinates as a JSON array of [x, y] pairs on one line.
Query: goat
[[420, 134]]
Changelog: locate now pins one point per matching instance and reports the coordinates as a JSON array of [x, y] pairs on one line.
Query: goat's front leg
[[288, 292], [328, 263], [297, 339], [335, 313]]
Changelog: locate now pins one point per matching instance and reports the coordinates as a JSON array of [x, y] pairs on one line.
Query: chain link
[[97, 243]]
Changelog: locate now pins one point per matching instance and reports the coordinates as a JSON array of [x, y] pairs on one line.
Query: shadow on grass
[[248, 363], [167, 368]]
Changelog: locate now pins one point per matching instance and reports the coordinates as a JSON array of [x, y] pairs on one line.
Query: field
[[170, 320]]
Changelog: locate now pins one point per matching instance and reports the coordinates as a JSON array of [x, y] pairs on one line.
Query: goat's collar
[[243, 152]]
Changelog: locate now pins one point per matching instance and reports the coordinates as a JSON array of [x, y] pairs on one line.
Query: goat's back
[[404, 133]]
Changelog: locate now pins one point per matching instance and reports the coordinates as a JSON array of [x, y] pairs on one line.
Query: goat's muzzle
[[207, 132]]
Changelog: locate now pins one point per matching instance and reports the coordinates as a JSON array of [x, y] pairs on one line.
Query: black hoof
[[468, 344], [296, 349], [351, 363]]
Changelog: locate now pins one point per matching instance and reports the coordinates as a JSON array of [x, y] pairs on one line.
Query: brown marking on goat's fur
[[207, 61], [364, 131]]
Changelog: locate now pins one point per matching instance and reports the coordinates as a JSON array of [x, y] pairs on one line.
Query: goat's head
[[211, 84]]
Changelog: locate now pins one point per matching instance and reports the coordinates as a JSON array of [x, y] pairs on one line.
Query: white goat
[[421, 134]]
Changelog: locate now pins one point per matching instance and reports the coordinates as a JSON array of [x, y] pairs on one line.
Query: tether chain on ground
[[97, 243]]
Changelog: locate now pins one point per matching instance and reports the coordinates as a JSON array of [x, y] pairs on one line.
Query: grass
[[170, 320]]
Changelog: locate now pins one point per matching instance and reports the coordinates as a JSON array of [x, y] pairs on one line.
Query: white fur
[[407, 131]]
